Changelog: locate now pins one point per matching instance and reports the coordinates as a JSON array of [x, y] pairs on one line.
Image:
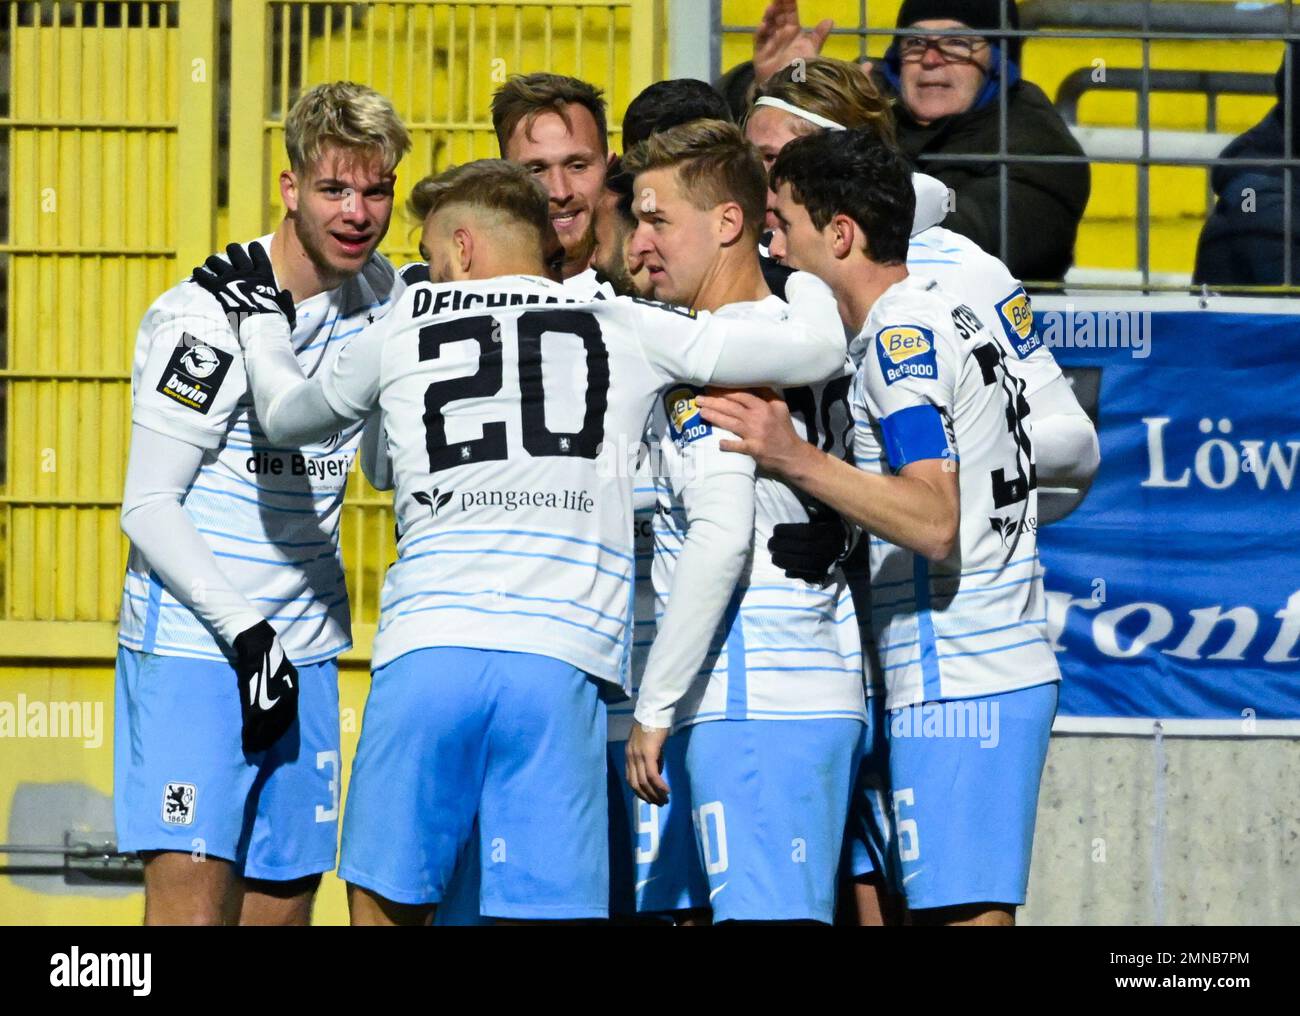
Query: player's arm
[[169, 436], [717, 492], [160, 471], [710, 349], [291, 409], [1066, 452], [375, 463], [918, 507], [932, 202]]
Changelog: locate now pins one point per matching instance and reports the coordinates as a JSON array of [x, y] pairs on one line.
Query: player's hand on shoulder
[[243, 283], [761, 420], [268, 687]]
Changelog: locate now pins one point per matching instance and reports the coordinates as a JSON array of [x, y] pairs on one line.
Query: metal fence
[[1145, 22], [121, 173]]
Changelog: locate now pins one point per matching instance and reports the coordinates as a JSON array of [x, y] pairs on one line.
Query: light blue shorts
[[654, 866], [770, 801], [964, 778], [870, 835], [512, 739], [182, 782]]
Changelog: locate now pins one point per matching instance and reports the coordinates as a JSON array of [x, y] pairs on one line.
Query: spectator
[[1242, 241], [947, 89]]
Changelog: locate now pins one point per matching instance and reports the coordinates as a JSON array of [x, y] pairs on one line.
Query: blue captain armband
[[915, 433]]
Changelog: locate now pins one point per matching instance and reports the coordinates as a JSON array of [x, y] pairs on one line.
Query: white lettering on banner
[[1245, 622], [1105, 634], [1219, 464], [1160, 624]]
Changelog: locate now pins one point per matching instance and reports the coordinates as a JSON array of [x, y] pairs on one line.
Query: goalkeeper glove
[[245, 284], [810, 550], [268, 687]]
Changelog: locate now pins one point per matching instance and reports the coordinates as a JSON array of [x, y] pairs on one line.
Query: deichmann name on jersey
[[906, 351], [446, 300]]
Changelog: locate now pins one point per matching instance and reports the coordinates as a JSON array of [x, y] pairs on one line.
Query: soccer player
[[555, 126], [944, 483], [825, 94], [504, 619], [769, 712], [234, 609]]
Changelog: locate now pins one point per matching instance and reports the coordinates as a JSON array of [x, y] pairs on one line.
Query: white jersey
[[983, 283], [589, 284], [644, 505], [513, 498], [786, 649], [270, 515], [974, 624]]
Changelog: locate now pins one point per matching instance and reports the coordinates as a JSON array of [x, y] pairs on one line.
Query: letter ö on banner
[[1231, 468]]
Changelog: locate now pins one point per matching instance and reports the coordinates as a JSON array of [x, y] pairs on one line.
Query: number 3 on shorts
[[331, 759]]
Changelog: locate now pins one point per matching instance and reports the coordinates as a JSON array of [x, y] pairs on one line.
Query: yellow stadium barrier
[[116, 187]]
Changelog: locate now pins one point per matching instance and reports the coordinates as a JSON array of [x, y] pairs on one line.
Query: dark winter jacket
[[1242, 242]]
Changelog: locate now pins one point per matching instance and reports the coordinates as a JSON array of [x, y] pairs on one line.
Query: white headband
[[803, 114]]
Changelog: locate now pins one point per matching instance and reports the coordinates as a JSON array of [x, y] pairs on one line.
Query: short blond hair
[[525, 97], [714, 164], [836, 89], [347, 114], [505, 188]]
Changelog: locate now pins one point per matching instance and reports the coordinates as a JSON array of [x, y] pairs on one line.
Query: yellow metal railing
[[113, 168], [109, 137]]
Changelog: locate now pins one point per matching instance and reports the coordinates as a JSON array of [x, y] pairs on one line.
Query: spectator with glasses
[[946, 88]]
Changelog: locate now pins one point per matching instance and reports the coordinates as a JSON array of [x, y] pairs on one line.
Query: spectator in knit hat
[[947, 87]]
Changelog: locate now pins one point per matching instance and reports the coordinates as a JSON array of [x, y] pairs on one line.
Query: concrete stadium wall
[[1181, 831]]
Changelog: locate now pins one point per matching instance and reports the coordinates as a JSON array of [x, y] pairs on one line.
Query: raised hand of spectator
[[780, 39]]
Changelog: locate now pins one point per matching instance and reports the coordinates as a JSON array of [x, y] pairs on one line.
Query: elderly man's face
[[941, 75]]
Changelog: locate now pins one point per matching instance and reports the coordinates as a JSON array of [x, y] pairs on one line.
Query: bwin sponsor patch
[[194, 374], [684, 419], [906, 351]]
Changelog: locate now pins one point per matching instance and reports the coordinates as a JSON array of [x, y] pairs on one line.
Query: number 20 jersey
[[975, 623], [513, 413]]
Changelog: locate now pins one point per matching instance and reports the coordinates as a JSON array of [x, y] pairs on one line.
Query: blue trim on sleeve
[[913, 434]]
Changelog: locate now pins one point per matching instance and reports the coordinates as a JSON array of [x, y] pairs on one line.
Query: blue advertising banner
[[1174, 587]]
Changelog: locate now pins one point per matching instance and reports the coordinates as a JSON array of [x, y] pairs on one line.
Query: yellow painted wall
[[112, 184]]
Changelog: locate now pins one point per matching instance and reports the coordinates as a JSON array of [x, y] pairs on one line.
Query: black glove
[[245, 284], [268, 687], [810, 550]]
